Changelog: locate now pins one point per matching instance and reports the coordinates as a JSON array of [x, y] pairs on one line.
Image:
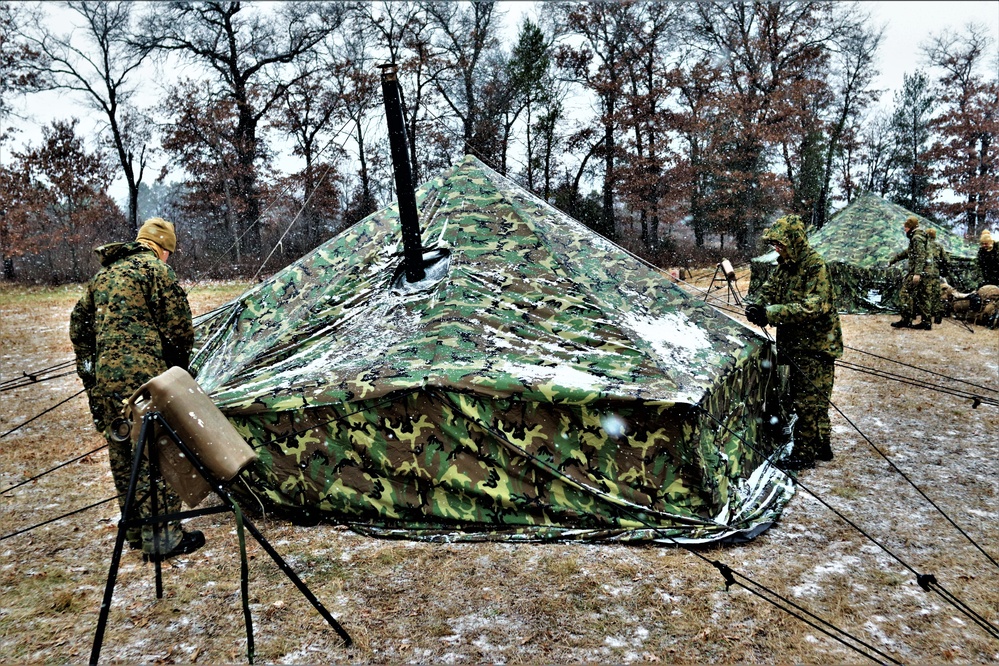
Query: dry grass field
[[407, 602]]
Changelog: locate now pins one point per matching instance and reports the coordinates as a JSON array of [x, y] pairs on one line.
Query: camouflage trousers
[[121, 455], [809, 388], [934, 301], [914, 300]]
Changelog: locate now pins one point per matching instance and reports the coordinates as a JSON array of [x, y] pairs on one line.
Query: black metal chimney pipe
[[408, 217]]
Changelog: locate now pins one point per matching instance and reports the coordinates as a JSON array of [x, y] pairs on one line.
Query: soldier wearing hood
[[133, 323], [798, 300]]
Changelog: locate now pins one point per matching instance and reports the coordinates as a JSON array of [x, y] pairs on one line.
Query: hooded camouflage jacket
[[917, 253], [799, 295], [132, 323]]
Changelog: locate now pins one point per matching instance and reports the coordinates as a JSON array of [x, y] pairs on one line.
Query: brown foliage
[[59, 208], [522, 603], [966, 153]]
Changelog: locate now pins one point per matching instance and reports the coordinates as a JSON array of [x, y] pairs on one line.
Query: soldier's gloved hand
[[756, 314]]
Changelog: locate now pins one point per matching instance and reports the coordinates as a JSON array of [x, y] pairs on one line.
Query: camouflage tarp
[[540, 383], [857, 243]]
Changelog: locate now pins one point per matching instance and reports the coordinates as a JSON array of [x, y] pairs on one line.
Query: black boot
[[905, 322], [190, 542], [937, 319], [824, 452], [923, 325]]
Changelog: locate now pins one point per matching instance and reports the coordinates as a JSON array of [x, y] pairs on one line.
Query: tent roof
[[868, 231], [531, 303]]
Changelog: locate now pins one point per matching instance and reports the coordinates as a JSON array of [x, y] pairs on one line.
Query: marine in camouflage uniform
[[938, 267], [913, 297], [798, 299], [133, 323]]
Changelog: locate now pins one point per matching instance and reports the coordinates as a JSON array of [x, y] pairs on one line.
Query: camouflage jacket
[[988, 265], [799, 296], [917, 253], [938, 262], [132, 323]]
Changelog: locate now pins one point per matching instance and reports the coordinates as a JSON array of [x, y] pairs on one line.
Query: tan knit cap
[[986, 239], [159, 231], [931, 232], [911, 222]]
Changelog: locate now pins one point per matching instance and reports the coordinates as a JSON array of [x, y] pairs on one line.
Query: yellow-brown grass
[[523, 603]]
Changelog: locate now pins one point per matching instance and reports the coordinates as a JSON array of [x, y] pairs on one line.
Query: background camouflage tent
[[540, 383], [857, 243]]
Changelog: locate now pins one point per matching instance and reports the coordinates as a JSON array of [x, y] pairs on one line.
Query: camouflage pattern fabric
[[916, 253], [539, 383], [131, 324], [940, 258], [934, 303], [800, 303], [940, 268], [810, 386], [856, 244]]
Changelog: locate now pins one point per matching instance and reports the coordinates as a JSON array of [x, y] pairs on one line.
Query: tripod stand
[[147, 441], [728, 275]]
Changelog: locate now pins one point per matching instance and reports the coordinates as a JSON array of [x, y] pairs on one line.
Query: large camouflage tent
[[857, 243], [539, 383]]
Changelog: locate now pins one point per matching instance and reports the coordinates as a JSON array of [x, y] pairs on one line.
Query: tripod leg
[[244, 575], [95, 651], [306, 592], [154, 484], [119, 544]]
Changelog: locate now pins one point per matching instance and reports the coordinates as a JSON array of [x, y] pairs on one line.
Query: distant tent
[[857, 243], [539, 383]]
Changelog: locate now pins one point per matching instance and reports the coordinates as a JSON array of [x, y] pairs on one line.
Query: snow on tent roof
[[857, 243], [539, 383]]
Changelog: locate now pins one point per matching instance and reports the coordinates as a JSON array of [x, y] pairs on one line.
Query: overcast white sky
[[911, 23], [908, 24]]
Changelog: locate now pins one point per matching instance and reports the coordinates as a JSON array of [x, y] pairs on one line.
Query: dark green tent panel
[[539, 383], [857, 243]]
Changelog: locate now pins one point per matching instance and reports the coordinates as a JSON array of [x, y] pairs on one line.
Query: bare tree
[[464, 36], [21, 67], [854, 51], [100, 63], [597, 64], [878, 157], [402, 31], [354, 83], [249, 51], [307, 116]]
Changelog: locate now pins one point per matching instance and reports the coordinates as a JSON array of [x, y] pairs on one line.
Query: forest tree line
[[716, 116]]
